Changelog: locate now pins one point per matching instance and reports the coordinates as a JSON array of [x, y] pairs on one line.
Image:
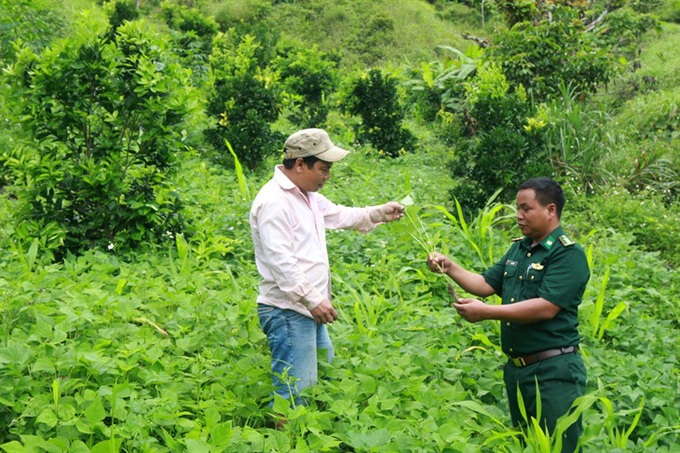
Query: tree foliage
[[503, 144], [243, 101], [539, 55], [105, 117], [375, 98], [192, 34], [308, 77]]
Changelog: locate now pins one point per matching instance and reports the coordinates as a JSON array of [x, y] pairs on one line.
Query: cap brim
[[333, 154]]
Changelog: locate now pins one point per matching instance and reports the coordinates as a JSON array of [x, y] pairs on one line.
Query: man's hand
[[471, 310], [324, 313], [438, 263], [388, 212], [393, 211]]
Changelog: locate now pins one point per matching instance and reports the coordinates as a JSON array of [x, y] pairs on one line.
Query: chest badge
[[537, 266]]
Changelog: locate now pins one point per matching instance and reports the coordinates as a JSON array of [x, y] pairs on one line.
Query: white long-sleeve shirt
[[288, 228]]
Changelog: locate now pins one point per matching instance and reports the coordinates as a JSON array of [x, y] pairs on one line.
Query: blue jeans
[[294, 342]]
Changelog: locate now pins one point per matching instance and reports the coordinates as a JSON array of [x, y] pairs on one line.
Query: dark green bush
[[541, 55], [121, 11], [375, 98], [623, 30], [500, 144], [308, 76], [243, 103], [192, 34], [105, 121]]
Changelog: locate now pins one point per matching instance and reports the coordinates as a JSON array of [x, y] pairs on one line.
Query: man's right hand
[[438, 263], [324, 313]]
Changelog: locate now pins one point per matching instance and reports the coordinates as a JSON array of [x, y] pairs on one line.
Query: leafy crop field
[[148, 341], [162, 351]]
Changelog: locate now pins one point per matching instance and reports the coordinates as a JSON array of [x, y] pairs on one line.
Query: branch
[[595, 23], [483, 42]]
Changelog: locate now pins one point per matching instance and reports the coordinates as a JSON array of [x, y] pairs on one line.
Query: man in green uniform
[[541, 280]]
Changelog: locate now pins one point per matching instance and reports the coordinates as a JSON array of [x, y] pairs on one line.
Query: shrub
[[654, 225], [105, 118], [192, 33], [243, 102], [500, 146], [308, 76], [623, 30], [120, 11], [539, 56], [374, 97]]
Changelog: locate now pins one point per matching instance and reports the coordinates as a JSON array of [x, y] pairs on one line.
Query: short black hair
[[309, 160], [547, 191]]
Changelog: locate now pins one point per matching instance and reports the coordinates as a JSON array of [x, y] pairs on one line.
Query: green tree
[[105, 118], [375, 98], [192, 35], [501, 144], [243, 102], [541, 54], [308, 76]]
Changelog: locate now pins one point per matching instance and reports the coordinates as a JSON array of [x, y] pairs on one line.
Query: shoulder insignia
[[566, 241], [517, 239]]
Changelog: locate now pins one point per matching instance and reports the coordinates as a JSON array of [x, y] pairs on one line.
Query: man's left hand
[[472, 310], [392, 211]]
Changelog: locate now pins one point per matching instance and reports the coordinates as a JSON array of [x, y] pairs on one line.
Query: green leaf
[[14, 447], [407, 201], [48, 417], [107, 446], [95, 412]]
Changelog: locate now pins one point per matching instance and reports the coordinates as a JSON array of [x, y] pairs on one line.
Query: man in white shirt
[[288, 222]]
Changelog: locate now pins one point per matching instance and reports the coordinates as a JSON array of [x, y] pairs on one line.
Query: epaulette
[[517, 239], [566, 240]]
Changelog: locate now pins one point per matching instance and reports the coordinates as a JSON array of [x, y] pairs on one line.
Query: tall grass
[[579, 144], [479, 233], [591, 312]]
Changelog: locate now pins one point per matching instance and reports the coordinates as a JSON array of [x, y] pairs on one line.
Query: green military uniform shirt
[[556, 270]]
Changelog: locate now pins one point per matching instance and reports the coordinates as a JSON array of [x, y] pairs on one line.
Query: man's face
[[313, 179], [532, 218]]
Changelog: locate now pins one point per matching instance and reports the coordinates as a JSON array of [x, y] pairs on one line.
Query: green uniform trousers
[[561, 380]]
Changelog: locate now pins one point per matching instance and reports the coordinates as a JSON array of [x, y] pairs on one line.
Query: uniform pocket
[[510, 272]]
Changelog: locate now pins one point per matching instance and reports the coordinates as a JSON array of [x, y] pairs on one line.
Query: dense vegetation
[[135, 135]]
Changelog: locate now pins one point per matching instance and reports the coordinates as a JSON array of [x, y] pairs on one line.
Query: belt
[[542, 355]]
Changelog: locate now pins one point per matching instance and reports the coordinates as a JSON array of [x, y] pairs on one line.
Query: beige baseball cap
[[312, 142]]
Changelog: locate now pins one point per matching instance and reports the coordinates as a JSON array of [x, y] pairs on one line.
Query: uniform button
[[505, 273], [512, 300], [508, 324], [532, 277], [521, 278], [529, 254], [512, 350]]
